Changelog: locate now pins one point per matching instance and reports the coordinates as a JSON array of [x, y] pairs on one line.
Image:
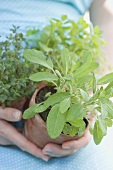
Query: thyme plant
[[14, 69]]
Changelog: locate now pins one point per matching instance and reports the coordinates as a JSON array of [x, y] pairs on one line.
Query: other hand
[[70, 147], [9, 135]]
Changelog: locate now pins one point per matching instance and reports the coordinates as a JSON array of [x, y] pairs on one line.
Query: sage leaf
[[104, 111], [100, 130], [44, 48], [52, 100], [41, 108], [86, 56], [102, 125], [67, 129], [68, 77], [108, 122], [84, 95], [81, 131], [106, 79], [74, 131], [43, 76], [94, 83], [76, 111], [78, 123], [82, 80], [55, 122], [58, 73], [109, 107], [110, 85], [85, 69], [30, 112], [65, 59], [38, 57], [97, 134], [56, 98], [64, 105]]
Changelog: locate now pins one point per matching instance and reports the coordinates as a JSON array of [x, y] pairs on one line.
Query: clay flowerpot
[[16, 104], [35, 128]]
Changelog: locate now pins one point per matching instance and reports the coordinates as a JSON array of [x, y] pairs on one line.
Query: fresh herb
[[79, 94], [14, 69]]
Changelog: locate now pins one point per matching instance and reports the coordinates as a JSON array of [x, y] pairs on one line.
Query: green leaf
[[82, 22], [55, 122], [102, 125], [97, 134], [67, 129], [83, 80], [109, 107], [52, 100], [68, 77], [110, 85], [108, 122], [104, 111], [49, 62], [56, 98], [64, 105], [40, 109], [100, 130], [86, 56], [64, 17], [80, 126], [76, 111], [74, 131], [43, 76], [81, 131], [30, 32], [78, 123], [94, 83], [84, 95], [3, 98], [43, 39], [75, 66], [65, 59], [38, 57], [91, 127], [30, 112], [58, 73], [85, 69], [106, 79]]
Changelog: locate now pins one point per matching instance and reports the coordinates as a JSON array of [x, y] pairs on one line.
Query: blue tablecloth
[[91, 157]]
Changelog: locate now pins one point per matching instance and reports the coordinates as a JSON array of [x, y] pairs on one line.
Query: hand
[[70, 147], [10, 135]]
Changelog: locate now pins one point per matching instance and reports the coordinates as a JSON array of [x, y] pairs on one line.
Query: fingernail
[[16, 115], [66, 147], [48, 152], [46, 159]]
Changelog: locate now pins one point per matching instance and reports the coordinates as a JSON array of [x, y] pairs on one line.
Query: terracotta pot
[[17, 104], [35, 128]]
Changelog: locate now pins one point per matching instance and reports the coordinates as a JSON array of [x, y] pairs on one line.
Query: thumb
[[10, 114]]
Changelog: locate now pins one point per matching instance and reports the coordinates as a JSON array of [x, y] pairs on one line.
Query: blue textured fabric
[[27, 13], [91, 157], [80, 5]]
